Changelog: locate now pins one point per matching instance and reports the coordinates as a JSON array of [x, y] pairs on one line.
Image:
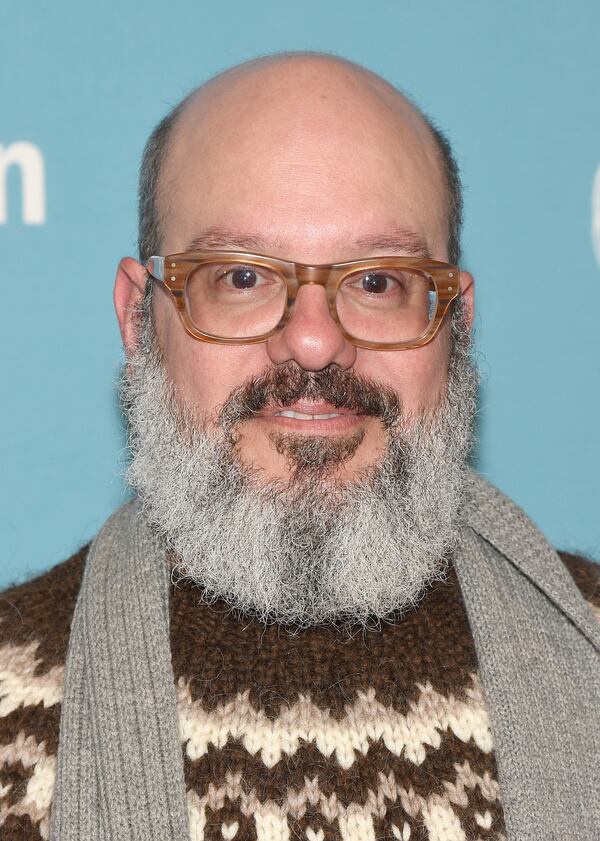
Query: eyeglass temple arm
[[156, 267]]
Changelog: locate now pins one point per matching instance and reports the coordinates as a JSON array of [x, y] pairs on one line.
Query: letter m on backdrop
[[28, 158]]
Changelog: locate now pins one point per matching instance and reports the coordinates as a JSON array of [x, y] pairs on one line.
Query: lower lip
[[323, 426]]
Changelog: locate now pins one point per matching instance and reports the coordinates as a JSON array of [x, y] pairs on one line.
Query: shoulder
[[35, 622], [38, 612], [586, 574]]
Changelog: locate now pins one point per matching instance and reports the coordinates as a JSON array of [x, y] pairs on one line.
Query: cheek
[[205, 374], [418, 376]]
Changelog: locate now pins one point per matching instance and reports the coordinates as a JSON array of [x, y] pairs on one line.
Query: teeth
[[288, 413]]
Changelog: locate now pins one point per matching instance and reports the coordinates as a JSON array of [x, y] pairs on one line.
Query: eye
[[376, 282], [241, 277]]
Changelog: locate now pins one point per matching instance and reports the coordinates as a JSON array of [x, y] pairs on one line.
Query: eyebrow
[[395, 241], [220, 237], [400, 239]]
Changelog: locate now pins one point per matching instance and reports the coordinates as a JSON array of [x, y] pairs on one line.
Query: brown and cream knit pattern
[[316, 736]]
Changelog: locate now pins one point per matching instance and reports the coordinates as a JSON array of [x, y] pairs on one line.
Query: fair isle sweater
[[319, 736]]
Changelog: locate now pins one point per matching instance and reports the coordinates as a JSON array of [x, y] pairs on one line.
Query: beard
[[313, 549]]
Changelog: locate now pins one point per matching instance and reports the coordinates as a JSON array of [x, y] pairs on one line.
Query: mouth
[[312, 418], [289, 413]]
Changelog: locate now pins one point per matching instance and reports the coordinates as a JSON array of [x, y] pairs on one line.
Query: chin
[[301, 467]]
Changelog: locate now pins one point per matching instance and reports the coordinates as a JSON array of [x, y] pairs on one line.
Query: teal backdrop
[[515, 86]]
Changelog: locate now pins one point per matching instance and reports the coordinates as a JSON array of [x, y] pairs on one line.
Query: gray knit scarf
[[120, 768]]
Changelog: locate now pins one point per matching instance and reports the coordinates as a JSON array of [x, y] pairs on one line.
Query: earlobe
[[130, 284], [467, 291]]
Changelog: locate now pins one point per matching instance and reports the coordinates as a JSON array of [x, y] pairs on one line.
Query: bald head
[[297, 125]]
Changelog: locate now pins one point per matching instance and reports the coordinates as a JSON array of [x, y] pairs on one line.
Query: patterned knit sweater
[[319, 736]]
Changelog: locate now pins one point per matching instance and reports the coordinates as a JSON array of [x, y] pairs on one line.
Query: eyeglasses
[[381, 303]]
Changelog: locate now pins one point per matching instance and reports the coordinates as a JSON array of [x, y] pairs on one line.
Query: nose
[[311, 337]]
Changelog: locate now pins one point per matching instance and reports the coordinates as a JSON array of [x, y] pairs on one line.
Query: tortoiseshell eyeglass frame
[[174, 270]]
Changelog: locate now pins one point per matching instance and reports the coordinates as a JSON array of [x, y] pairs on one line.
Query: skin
[[304, 158]]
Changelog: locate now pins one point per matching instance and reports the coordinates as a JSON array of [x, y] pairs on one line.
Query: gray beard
[[314, 550]]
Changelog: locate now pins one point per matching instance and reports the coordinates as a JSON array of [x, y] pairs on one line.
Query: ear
[[467, 292], [130, 284]]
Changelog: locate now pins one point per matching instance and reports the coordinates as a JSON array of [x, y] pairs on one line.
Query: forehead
[[304, 164]]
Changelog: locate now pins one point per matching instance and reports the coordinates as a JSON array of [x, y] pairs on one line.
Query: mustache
[[287, 383]]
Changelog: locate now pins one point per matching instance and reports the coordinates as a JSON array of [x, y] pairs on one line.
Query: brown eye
[[376, 282], [243, 278]]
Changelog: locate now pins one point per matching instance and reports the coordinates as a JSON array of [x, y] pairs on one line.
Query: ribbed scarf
[[120, 767]]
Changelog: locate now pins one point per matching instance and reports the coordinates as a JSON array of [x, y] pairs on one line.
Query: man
[[346, 633]]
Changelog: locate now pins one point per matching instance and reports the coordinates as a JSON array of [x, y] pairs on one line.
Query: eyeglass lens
[[242, 300]]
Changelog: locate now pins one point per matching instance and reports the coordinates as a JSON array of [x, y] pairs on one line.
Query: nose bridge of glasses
[[319, 275], [315, 275]]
